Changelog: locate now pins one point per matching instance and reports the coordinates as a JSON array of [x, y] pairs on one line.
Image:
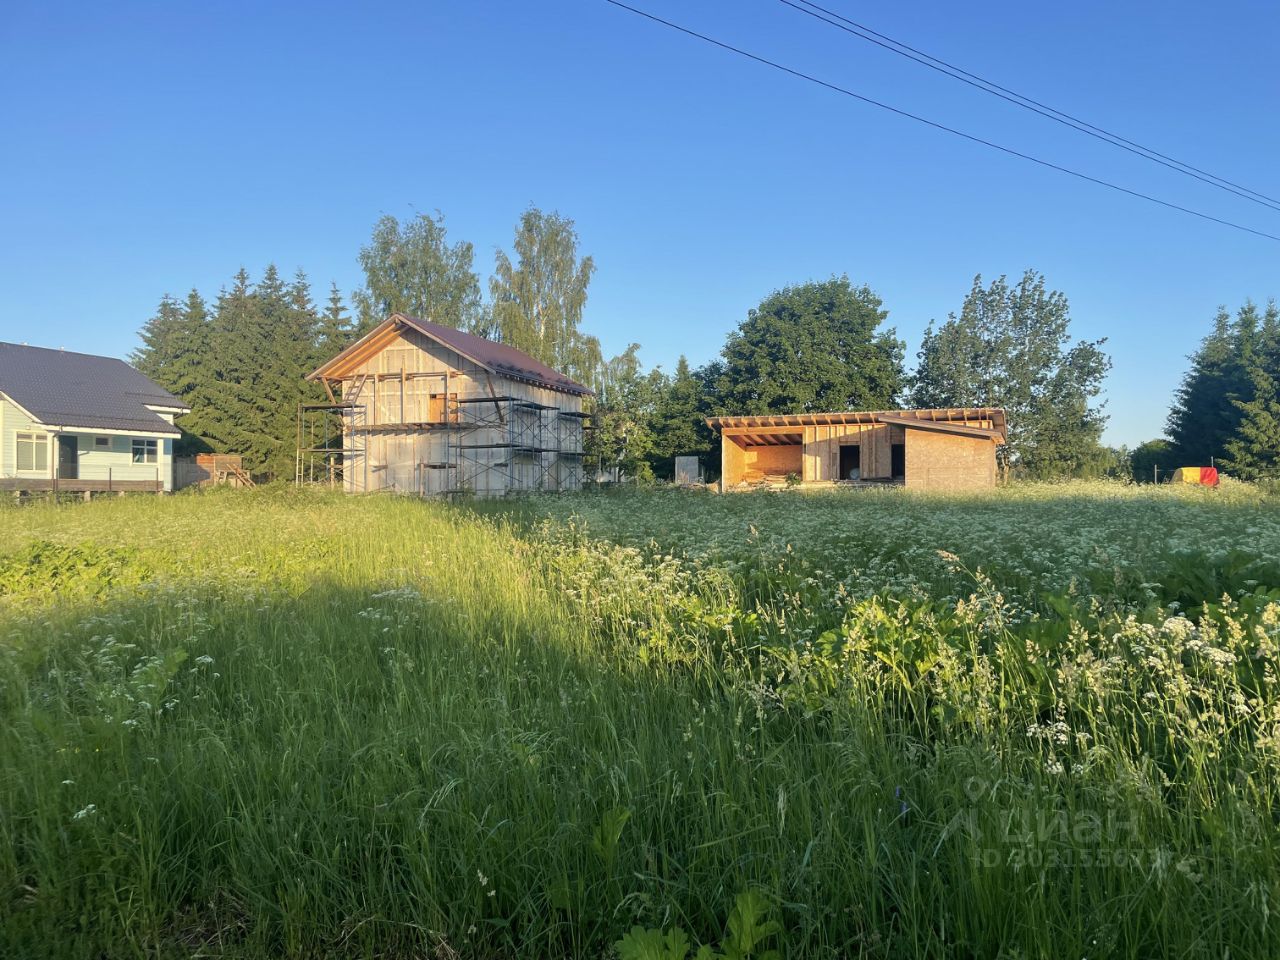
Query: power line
[[830, 17], [938, 126]]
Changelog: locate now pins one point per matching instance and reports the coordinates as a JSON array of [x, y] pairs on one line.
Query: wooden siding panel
[[403, 384], [939, 461]]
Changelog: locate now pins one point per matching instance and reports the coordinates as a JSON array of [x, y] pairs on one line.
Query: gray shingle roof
[[64, 389]]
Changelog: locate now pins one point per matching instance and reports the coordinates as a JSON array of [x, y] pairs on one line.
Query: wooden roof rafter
[[940, 418]]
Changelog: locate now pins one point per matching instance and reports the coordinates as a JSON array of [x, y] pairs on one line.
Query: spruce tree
[[161, 339], [1206, 415], [176, 354], [1253, 451], [678, 424], [335, 331]]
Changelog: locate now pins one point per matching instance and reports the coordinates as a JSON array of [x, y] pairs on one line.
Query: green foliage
[[1206, 413], [1253, 452], [42, 568], [1011, 347], [335, 330], [621, 442], [242, 369], [176, 353], [607, 833], [527, 728], [642, 944], [812, 346], [1152, 460], [411, 268], [750, 928], [539, 293], [678, 424]]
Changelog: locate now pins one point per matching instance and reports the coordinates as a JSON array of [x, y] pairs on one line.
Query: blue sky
[[150, 148]]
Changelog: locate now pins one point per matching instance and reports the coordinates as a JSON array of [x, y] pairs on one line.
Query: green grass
[[294, 724]]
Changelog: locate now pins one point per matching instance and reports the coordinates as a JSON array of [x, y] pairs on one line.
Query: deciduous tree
[[811, 347], [1011, 347], [412, 268], [539, 293]]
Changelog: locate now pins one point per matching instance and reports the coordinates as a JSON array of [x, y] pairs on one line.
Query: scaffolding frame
[[315, 421], [509, 442]]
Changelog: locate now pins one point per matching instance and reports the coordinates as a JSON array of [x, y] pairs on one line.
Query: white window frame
[[102, 443], [39, 444], [145, 450]]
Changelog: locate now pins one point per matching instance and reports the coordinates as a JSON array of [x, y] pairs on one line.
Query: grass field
[[283, 723]]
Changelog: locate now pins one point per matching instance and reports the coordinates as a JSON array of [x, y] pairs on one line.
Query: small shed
[[952, 449], [688, 471], [211, 469]]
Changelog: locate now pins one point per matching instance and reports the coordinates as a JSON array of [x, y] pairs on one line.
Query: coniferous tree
[[335, 331], [1011, 347], [411, 268], [1206, 415], [239, 341], [160, 337], [678, 424], [175, 353], [1253, 451]]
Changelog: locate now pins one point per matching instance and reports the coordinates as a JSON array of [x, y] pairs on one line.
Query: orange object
[[1209, 476]]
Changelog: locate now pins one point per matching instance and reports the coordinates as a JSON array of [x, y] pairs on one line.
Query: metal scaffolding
[[491, 443], [318, 460]]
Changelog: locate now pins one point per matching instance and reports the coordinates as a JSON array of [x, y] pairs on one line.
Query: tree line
[[1226, 412], [241, 361]]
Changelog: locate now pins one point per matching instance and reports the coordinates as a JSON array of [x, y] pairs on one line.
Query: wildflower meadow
[[1043, 722]]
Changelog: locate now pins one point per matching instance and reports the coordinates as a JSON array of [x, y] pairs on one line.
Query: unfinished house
[[924, 449], [416, 407]]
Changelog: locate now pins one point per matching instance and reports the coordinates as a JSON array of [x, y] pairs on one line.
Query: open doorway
[[898, 461], [850, 461]]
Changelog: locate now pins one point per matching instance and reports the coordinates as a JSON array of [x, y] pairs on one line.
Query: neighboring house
[[428, 409], [925, 449], [77, 422]]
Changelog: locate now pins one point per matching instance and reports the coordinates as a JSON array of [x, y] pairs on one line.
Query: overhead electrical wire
[[833, 19], [936, 125]]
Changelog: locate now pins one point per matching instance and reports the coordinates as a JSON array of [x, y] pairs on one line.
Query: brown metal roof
[[496, 357], [951, 420]]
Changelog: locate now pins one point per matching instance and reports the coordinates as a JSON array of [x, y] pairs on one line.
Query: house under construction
[[952, 449], [421, 408]]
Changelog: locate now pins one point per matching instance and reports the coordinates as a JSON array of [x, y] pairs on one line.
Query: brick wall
[[940, 461]]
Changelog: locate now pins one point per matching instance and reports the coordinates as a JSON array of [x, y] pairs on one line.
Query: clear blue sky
[[150, 148]]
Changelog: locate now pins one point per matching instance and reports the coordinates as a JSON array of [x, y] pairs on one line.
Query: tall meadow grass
[[287, 723]]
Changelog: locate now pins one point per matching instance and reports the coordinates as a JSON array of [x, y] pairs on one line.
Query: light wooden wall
[[395, 386], [822, 449], [941, 461]]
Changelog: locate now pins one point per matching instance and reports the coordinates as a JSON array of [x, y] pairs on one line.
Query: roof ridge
[[64, 350]]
